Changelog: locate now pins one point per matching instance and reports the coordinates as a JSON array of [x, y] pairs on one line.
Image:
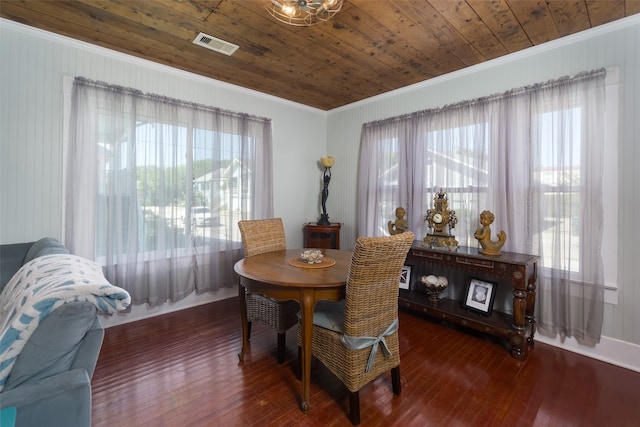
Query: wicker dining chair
[[357, 338], [260, 236]]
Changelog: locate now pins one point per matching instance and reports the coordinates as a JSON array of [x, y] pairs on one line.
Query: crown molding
[[120, 56], [598, 31]]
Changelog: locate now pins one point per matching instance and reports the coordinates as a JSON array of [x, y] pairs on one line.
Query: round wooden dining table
[[283, 275]]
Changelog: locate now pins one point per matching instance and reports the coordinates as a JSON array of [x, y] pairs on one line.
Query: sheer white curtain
[[154, 188], [534, 157]]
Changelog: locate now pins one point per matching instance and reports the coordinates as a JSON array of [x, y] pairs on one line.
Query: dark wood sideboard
[[515, 276], [322, 236]]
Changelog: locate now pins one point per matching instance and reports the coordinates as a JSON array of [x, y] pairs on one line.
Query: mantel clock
[[441, 220]]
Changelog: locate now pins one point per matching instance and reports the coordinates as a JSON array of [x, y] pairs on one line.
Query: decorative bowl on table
[[434, 285], [312, 256]]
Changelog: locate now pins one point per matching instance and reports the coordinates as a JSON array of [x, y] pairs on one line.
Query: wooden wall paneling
[[631, 7], [368, 48], [470, 26], [450, 42], [413, 62], [569, 17], [500, 20], [603, 12], [536, 20]]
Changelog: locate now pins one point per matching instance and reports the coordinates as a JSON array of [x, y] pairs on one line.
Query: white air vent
[[210, 42]]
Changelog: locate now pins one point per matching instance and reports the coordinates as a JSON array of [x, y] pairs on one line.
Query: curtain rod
[[140, 94], [548, 84]]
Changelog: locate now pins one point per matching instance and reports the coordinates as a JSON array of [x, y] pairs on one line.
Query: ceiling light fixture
[[303, 13]]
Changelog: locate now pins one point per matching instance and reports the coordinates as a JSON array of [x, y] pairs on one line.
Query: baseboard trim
[[609, 350], [140, 312]]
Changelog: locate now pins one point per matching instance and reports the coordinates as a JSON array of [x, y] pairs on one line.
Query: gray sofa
[[50, 383]]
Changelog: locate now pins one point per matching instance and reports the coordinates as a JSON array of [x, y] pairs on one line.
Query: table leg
[[243, 316], [307, 303]]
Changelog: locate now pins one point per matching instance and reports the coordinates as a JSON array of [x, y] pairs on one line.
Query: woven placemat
[[324, 263]]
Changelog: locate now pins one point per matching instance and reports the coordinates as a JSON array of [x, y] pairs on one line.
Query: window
[[534, 157], [557, 181], [186, 185], [156, 186]]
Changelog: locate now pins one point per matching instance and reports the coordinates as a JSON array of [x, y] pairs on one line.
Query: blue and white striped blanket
[[41, 286]]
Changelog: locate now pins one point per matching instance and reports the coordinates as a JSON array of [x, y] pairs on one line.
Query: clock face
[[440, 220]]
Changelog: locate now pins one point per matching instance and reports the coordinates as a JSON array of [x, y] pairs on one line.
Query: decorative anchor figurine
[[327, 162], [483, 234]]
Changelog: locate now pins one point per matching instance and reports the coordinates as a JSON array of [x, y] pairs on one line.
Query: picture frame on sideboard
[[480, 296], [405, 277]]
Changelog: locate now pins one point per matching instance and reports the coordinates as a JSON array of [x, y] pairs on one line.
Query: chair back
[[371, 300], [262, 235]]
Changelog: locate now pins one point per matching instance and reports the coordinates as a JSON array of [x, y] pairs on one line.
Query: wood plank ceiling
[[370, 47]]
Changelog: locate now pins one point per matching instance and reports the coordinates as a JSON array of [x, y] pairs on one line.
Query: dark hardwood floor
[[181, 369]]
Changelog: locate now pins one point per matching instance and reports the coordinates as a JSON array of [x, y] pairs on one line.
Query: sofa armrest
[[89, 350], [61, 400], [56, 343]]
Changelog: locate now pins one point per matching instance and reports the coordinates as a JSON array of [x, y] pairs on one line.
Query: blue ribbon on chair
[[358, 343]]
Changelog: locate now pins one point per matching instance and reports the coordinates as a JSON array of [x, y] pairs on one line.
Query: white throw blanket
[[41, 286]]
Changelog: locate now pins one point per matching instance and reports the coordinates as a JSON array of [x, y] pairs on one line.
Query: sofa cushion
[[45, 246], [53, 345]]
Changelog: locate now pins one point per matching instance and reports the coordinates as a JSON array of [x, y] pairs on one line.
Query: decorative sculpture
[[441, 220], [327, 162], [400, 225], [483, 234]]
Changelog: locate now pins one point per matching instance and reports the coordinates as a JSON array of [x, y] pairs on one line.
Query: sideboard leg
[[531, 305]]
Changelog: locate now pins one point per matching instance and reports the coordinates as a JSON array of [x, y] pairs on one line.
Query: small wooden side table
[[322, 236]]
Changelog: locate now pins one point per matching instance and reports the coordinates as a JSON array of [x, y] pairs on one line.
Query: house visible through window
[[186, 184], [156, 186]]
